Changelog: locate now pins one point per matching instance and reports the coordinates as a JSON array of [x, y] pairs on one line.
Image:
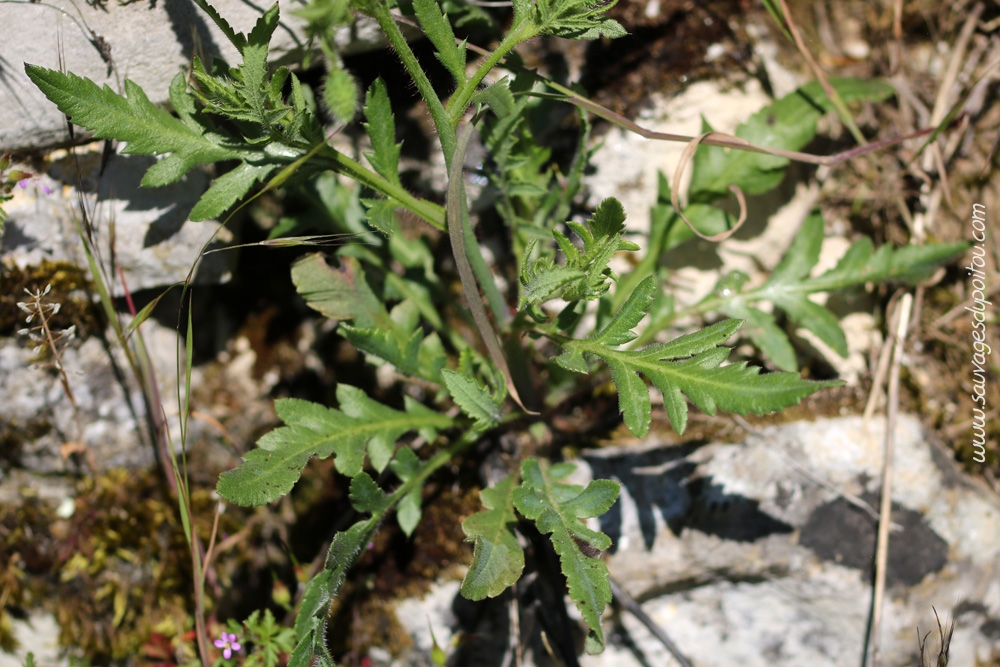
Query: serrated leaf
[[572, 19], [182, 101], [271, 470], [236, 38], [556, 508], [252, 83], [388, 345], [789, 287], [389, 424], [763, 330], [401, 342], [497, 96], [146, 128], [474, 400], [406, 466], [585, 274], [381, 214], [497, 557], [542, 286], [438, 30], [340, 293], [381, 129], [228, 189], [689, 365], [263, 29], [802, 254], [310, 624], [818, 320], [366, 496]]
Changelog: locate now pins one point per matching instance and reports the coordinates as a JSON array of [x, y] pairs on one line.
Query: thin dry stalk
[[820, 75], [636, 610], [896, 52], [933, 158], [514, 644], [885, 508]]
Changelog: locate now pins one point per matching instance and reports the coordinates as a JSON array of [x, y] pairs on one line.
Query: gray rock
[[746, 560], [108, 42], [757, 553], [109, 417], [153, 242], [36, 634]]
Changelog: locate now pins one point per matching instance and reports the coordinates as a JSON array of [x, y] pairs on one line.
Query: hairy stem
[[428, 211], [459, 102]]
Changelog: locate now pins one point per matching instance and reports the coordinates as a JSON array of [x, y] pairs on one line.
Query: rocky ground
[[749, 541]]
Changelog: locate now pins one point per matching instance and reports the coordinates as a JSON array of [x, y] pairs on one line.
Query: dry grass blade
[[902, 321], [838, 102], [319, 240]]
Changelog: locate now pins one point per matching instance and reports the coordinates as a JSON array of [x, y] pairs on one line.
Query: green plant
[[267, 123]]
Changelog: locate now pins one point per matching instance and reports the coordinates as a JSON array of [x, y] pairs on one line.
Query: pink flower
[[25, 182], [228, 644]]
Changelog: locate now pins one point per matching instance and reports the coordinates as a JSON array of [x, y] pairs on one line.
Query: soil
[[294, 353]]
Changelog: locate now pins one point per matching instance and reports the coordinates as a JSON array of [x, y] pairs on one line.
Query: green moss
[[114, 571]]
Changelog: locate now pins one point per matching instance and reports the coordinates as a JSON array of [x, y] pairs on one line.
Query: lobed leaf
[[381, 129], [497, 96], [789, 287], [400, 340], [361, 425], [474, 400], [146, 128], [572, 19], [497, 557], [556, 508], [689, 365], [252, 80], [585, 274], [406, 466], [237, 39], [366, 496], [438, 29], [311, 622], [340, 293], [229, 188], [381, 214]]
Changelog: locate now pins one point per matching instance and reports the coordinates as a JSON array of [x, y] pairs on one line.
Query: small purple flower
[[25, 182], [228, 644]]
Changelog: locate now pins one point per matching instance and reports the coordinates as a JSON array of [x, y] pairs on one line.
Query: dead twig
[[636, 610], [838, 103], [902, 322]]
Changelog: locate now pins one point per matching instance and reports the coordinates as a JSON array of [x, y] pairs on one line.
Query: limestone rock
[[145, 229], [758, 554], [110, 41]]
